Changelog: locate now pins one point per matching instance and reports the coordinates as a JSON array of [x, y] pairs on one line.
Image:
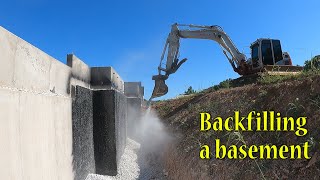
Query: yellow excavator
[[266, 55]]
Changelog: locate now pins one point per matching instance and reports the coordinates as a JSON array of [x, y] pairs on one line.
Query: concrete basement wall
[[134, 89], [24, 66], [35, 113], [134, 92], [83, 146], [110, 130], [35, 136], [50, 115], [134, 116], [80, 72], [106, 78]]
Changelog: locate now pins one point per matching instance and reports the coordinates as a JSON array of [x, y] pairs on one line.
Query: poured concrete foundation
[[106, 78], [35, 118], [52, 125], [109, 125], [134, 89], [134, 116], [82, 125]]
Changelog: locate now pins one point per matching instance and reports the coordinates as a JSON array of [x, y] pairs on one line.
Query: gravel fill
[[128, 168], [143, 160], [136, 163]]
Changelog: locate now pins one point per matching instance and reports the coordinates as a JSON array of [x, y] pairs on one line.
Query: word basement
[[267, 121]]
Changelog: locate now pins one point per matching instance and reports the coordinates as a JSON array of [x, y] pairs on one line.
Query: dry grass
[[293, 96]]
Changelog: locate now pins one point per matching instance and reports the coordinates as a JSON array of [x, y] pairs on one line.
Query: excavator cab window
[[255, 55], [266, 51], [277, 50]]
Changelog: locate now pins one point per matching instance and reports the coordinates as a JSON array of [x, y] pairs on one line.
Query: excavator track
[[268, 70], [282, 70]]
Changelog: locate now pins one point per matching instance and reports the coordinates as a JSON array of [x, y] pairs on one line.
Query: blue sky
[[130, 35]]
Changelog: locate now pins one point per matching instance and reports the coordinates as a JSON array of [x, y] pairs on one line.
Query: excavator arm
[[172, 64], [214, 33]]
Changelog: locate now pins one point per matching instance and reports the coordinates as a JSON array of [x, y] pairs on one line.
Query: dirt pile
[[291, 97]]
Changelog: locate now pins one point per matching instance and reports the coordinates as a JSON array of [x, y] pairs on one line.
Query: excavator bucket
[[160, 87]]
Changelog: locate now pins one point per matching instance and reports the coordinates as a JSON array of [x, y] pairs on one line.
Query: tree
[[189, 91], [313, 64]]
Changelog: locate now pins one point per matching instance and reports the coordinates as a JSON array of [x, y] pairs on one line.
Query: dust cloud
[[146, 128]]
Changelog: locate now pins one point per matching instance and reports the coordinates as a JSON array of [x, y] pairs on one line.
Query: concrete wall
[[24, 66], [35, 145], [35, 113], [83, 146], [106, 78], [134, 89], [134, 92], [109, 123], [47, 113], [134, 116], [80, 72]]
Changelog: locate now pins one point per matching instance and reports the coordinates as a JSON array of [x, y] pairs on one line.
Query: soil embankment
[[292, 97]]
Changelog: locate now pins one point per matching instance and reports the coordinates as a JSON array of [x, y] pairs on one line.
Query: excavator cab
[[268, 52], [267, 55]]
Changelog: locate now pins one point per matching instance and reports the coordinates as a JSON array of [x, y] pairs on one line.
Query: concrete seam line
[[45, 93]]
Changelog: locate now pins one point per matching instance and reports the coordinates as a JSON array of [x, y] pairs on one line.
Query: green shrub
[[313, 64], [223, 85]]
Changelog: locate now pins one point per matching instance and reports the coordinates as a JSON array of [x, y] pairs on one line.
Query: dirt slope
[[292, 97]]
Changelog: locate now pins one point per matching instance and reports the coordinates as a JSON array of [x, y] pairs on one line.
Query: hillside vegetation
[[292, 96]]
